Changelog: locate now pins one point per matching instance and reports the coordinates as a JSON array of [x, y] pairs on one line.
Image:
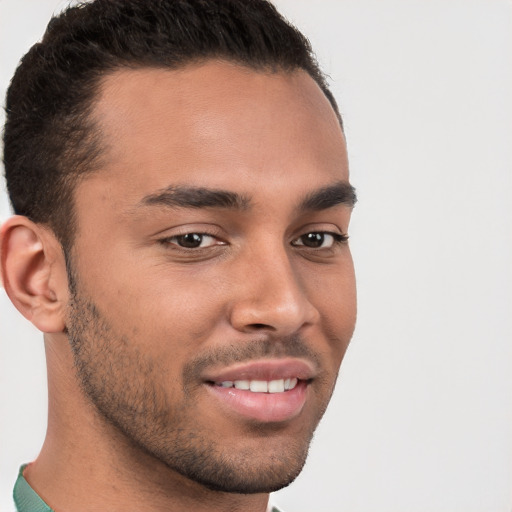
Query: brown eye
[[193, 241], [319, 240], [314, 240], [190, 240]]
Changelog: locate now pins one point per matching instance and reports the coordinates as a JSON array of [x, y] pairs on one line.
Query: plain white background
[[421, 420]]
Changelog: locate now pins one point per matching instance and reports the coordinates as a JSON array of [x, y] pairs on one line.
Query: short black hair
[[49, 138]]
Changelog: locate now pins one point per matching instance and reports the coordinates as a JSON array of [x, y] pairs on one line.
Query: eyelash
[[170, 240], [338, 239]]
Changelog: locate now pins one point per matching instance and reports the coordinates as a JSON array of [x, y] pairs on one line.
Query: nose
[[270, 296]]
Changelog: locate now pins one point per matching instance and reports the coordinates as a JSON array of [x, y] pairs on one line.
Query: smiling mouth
[[264, 390], [260, 386]]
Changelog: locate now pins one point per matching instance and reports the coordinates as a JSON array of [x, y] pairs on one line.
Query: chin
[[249, 476]]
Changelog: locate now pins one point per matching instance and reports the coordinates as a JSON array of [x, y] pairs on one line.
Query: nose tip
[[273, 303]]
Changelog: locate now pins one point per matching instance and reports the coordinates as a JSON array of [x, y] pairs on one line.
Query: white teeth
[[261, 386], [242, 384], [276, 386], [290, 383]]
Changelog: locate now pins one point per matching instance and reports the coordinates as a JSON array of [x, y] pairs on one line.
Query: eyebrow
[[200, 197], [341, 192], [196, 197]]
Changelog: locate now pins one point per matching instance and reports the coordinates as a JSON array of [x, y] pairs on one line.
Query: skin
[[130, 339]]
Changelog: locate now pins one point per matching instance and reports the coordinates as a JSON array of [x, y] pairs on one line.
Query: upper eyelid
[[209, 230], [216, 231]]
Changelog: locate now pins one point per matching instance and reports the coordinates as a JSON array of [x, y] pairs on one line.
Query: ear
[[34, 273]]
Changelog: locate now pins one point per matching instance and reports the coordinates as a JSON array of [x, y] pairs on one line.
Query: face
[[213, 293]]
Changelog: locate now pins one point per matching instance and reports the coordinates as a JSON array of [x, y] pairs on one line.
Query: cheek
[[168, 313], [334, 296], [180, 311], [332, 290]]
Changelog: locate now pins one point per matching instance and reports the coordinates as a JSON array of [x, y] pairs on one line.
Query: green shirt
[[27, 500]]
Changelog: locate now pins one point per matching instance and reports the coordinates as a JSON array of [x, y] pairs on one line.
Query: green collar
[[25, 498]]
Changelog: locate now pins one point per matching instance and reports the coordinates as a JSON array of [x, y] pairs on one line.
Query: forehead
[[215, 124]]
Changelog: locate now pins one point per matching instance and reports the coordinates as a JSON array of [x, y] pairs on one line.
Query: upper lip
[[263, 369]]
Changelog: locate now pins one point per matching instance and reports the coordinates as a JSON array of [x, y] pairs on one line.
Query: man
[[179, 173]]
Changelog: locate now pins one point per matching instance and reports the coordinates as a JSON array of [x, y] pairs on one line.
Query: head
[[188, 161]]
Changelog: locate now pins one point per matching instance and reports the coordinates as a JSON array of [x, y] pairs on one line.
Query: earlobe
[[33, 273]]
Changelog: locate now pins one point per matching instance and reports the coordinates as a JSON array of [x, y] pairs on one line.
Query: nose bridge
[[272, 295]]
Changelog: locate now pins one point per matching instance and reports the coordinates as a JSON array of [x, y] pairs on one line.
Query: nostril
[[260, 326]]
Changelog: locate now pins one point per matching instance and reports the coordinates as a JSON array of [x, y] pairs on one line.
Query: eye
[[320, 240], [193, 241]]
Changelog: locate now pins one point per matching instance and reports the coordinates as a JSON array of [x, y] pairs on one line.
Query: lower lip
[[262, 407]]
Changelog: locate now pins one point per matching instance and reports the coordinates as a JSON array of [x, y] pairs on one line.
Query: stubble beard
[[126, 388]]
